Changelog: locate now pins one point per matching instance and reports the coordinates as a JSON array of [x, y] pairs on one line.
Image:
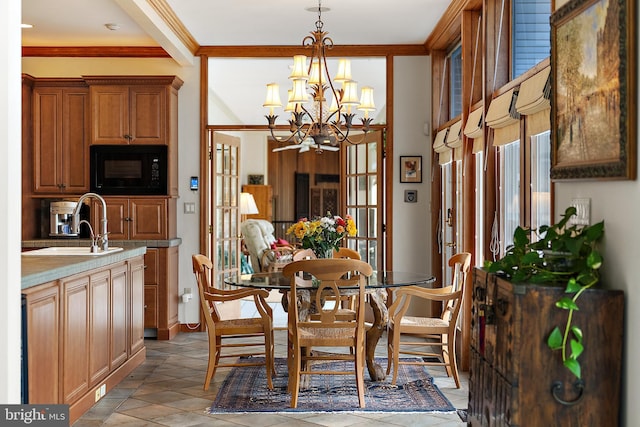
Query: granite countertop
[[45, 243], [37, 269]]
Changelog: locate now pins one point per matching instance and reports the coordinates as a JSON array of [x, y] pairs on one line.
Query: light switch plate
[[189, 208], [583, 211]]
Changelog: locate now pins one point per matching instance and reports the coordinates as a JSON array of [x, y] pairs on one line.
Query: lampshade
[[317, 72], [299, 95], [248, 204], [273, 97], [344, 71], [350, 96], [299, 70], [366, 101]]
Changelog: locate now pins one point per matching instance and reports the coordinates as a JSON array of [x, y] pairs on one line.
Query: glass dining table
[[379, 287]]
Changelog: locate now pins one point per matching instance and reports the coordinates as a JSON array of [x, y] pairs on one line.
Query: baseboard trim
[[83, 404]]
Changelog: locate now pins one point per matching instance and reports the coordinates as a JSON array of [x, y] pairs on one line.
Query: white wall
[[412, 109], [188, 139], [10, 197], [618, 204]]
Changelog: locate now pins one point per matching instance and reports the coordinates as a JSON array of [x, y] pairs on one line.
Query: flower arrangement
[[323, 234]]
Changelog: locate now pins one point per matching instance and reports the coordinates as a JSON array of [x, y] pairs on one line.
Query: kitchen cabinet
[[42, 309], [136, 319], [83, 331], [513, 373], [161, 292], [137, 218], [99, 325], [133, 110], [119, 323], [75, 338], [60, 137]]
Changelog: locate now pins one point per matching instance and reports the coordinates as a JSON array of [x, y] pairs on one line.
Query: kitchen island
[[161, 279], [83, 325]]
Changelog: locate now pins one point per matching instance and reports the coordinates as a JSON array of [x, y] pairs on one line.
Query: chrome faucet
[[75, 222], [94, 238]]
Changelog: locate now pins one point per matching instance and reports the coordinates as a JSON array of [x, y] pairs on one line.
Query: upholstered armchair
[[264, 251]]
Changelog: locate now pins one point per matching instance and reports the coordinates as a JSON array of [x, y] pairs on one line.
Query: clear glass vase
[[323, 253]]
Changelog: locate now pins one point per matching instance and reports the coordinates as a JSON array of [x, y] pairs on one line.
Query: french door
[[223, 213], [364, 195]]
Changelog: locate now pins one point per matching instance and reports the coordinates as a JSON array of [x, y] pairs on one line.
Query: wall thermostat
[[194, 183], [410, 196]]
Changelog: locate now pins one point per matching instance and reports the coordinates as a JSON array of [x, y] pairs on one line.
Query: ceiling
[[78, 23], [231, 23]]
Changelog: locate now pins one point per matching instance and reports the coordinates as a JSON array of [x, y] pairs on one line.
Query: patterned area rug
[[245, 390]]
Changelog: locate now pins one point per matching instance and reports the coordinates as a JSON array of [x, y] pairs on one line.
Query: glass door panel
[[362, 194], [225, 244]]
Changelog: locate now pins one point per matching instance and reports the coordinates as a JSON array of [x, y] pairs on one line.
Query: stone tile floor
[[166, 390]]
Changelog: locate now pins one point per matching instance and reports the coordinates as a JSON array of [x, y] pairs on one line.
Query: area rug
[[245, 390]]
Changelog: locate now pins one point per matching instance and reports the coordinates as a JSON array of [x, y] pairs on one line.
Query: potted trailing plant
[[563, 255]]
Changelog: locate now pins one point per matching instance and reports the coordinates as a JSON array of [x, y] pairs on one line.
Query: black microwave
[[129, 169]]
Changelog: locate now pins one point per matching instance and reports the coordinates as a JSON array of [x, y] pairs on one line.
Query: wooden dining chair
[[439, 332], [301, 254], [460, 264], [329, 330], [233, 330]]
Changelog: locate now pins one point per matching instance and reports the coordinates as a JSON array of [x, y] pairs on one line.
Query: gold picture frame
[[593, 90]]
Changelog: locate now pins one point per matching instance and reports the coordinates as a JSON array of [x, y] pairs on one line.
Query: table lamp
[[247, 206]]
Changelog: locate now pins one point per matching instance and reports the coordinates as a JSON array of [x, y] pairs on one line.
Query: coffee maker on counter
[[60, 219]]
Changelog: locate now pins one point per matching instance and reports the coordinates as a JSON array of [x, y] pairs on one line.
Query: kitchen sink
[[70, 251]]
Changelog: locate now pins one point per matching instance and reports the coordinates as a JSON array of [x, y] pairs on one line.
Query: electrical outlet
[[100, 392]]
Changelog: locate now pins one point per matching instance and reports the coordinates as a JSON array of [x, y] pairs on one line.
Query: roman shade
[[474, 129], [440, 147], [533, 101], [503, 118], [454, 137]]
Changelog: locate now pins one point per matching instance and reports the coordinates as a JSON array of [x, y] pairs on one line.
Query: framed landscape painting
[[593, 90]]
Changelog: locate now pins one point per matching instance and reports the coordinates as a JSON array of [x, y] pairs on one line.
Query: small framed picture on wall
[[256, 179], [410, 168]]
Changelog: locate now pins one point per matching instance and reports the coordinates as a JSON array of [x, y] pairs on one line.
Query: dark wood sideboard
[[513, 372]]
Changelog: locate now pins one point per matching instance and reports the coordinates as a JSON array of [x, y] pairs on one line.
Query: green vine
[[562, 254]]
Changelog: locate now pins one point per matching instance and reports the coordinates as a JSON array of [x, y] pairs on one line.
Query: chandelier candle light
[[324, 123]]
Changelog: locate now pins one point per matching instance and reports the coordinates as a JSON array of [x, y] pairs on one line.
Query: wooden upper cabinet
[[60, 138], [136, 218], [134, 110]]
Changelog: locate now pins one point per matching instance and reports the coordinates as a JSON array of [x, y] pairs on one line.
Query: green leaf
[[566, 304], [572, 286], [576, 349], [595, 231], [577, 332], [520, 237], [574, 246], [594, 260], [530, 258], [555, 339], [574, 366]]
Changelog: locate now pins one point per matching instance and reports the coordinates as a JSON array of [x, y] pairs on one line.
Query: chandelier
[[312, 116]]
